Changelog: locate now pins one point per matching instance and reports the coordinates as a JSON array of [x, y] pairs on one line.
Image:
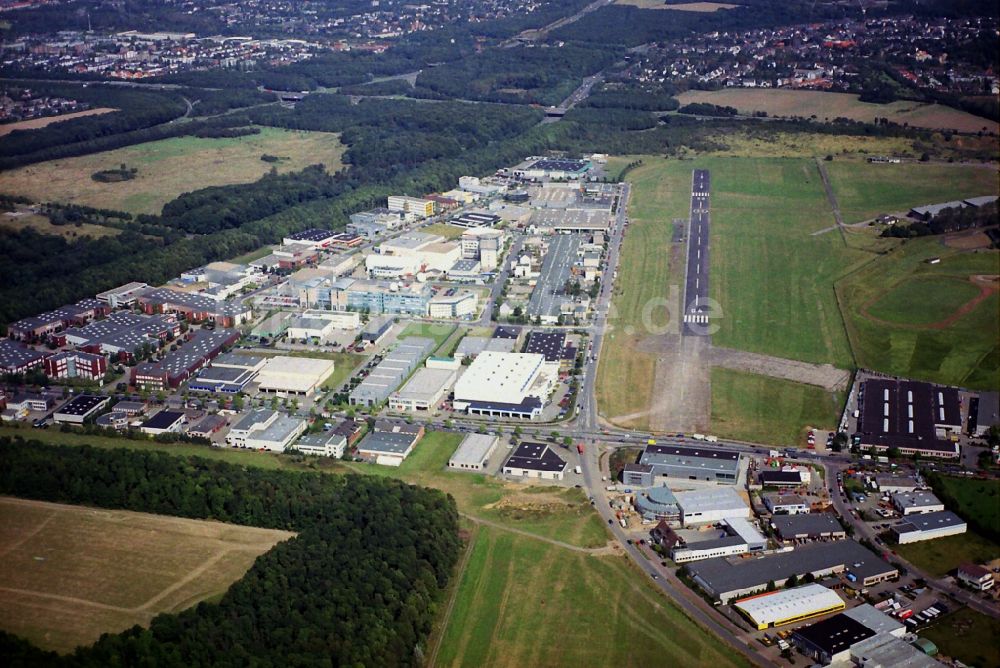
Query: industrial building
[[418, 207], [390, 445], [376, 297], [556, 169], [725, 580], [790, 606], [195, 307], [551, 345], [474, 452], [785, 504], [220, 379], [917, 501], [693, 463], [313, 237], [470, 219], [534, 460], [388, 374], [830, 640], [322, 444], [164, 422], [723, 546], [658, 503], [78, 409], [987, 413], [914, 417], [975, 576], [888, 483], [547, 298], [19, 358], [471, 346], [928, 526], [772, 478], [209, 425], [884, 650], [179, 365], [483, 244], [451, 304], [808, 527], [76, 364], [423, 390], [706, 506], [123, 296], [320, 325], [263, 429], [637, 475], [121, 333], [301, 376], [506, 385]]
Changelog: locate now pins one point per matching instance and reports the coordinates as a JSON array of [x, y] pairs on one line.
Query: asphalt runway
[[696, 307]]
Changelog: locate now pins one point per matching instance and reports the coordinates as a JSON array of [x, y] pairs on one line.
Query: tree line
[[356, 586]]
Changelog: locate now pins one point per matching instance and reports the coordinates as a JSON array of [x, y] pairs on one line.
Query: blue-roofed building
[[658, 503]]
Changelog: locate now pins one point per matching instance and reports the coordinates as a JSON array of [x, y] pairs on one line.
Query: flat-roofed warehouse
[[534, 169], [79, 408], [424, 389], [678, 461], [535, 460], [918, 418], [474, 452], [808, 526], [830, 640], [705, 506], [390, 372], [294, 375], [928, 526], [789, 606], [504, 384], [726, 580]]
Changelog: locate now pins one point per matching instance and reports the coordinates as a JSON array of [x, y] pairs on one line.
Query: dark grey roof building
[[678, 461]]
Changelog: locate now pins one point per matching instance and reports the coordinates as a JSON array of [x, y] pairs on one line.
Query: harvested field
[[702, 7], [170, 167], [72, 573], [35, 123], [823, 105]]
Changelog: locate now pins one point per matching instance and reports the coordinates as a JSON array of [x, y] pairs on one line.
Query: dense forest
[[357, 586]]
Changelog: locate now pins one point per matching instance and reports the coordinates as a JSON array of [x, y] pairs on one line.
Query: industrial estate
[[728, 397]]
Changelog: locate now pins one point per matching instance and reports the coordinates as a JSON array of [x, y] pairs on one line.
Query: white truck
[[712, 439], [577, 470], [698, 437]]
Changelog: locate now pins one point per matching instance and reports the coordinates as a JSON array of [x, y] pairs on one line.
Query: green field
[[751, 407], [522, 602], [866, 190], [968, 636], [961, 351], [973, 497], [922, 300], [439, 332], [343, 365], [170, 167], [444, 230], [660, 191], [943, 555]]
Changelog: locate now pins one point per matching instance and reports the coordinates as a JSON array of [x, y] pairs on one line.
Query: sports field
[[890, 303], [523, 602], [170, 167], [72, 573], [828, 106], [761, 409], [968, 636]]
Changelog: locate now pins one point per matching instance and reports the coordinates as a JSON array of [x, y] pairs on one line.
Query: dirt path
[[528, 534], [822, 375], [987, 284], [446, 617]]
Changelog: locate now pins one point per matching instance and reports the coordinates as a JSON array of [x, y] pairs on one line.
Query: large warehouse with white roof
[[505, 385], [293, 375], [789, 606]]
